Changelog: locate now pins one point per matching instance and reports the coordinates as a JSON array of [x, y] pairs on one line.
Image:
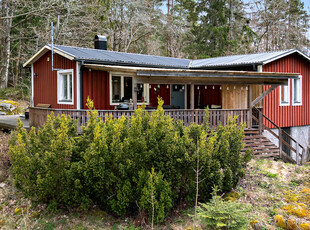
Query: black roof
[[113, 57]]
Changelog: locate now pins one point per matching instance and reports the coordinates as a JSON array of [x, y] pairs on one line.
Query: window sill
[[65, 102], [139, 103], [284, 104], [297, 103]]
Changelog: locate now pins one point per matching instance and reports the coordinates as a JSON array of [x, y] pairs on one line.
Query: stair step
[[267, 155], [261, 145]]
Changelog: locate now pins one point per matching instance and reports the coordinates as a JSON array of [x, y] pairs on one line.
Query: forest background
[[174, 28]]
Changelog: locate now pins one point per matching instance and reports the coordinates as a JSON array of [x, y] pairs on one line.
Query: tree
[[219, 28], [280, 24]]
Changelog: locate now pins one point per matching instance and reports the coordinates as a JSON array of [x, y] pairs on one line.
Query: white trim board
[[43, 51], [286, 54], [59, 88]]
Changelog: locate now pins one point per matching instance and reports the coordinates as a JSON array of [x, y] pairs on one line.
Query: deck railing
[[295, 152], [37, 116]]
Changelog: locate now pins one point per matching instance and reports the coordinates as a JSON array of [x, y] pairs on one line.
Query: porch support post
[[134, 93], [192, 95], [264, 94], [250, 107]]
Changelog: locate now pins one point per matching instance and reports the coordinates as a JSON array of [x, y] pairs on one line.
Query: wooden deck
[[37, 116], [9, 122]]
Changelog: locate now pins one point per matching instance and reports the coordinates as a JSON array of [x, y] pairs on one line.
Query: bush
[[221, 214], [119, 164]]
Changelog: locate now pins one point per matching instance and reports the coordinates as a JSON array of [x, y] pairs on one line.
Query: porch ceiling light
[[167, 86]]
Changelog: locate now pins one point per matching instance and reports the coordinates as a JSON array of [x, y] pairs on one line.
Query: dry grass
[[4, 159], [276, 188]]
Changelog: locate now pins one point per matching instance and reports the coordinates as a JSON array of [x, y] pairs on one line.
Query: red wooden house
[[66, 77], [287, 106]]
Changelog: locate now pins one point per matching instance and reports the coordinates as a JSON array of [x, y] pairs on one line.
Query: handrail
[[38, 115], [113, 110], [279, 137]]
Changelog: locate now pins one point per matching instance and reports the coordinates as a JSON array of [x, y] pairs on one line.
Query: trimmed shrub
[[119, 164]]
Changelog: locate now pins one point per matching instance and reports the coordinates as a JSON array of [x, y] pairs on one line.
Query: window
[[122, 90], [116, 89], [285, 94], [65, 87], [142, 94], [297, 90]]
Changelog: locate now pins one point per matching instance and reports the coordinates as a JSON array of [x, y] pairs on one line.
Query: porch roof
[[179, 76]]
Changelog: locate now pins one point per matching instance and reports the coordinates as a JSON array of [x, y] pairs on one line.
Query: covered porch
[[226, 93]]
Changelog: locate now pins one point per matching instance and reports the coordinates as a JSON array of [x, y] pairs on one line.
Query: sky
[[307, 5]]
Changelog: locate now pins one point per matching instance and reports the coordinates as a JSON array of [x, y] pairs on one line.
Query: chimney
[[100, 42]]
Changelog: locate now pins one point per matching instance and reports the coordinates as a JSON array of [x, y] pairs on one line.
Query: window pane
[[127, 89], [297, 90], [116, 88], [65, 85], [284, 94], [70, 86], [140, 93]]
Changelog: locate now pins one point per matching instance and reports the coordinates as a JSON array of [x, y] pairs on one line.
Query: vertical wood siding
[[208, 96], [162, 92], [96, 86], [234, 98], [292, 115], [45, 85]]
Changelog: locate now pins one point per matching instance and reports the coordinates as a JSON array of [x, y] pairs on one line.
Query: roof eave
[[227, 65], [289, 52], [42, 51], [126, 64]]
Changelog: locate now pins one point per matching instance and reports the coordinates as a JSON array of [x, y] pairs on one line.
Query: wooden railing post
[[249, 119], [297, 153], [280, 142], [260, 123]]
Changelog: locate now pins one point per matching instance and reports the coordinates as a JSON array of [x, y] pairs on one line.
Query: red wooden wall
[[45, 85], [208, 96], [292, 115], [96, 86], [162, 92]]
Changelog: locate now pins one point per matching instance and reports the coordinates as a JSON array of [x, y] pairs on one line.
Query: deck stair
[[262, 146]]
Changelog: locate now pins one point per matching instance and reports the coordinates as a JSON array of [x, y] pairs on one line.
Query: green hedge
[[125, 166]]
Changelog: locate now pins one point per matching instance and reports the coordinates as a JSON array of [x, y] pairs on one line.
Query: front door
[[178, 96]]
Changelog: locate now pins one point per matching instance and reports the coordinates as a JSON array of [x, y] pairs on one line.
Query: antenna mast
[[52, 35]]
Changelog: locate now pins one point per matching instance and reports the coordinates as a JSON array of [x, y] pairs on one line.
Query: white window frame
[[299, 91], [60, 73], [121, 75], [288, 94]]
